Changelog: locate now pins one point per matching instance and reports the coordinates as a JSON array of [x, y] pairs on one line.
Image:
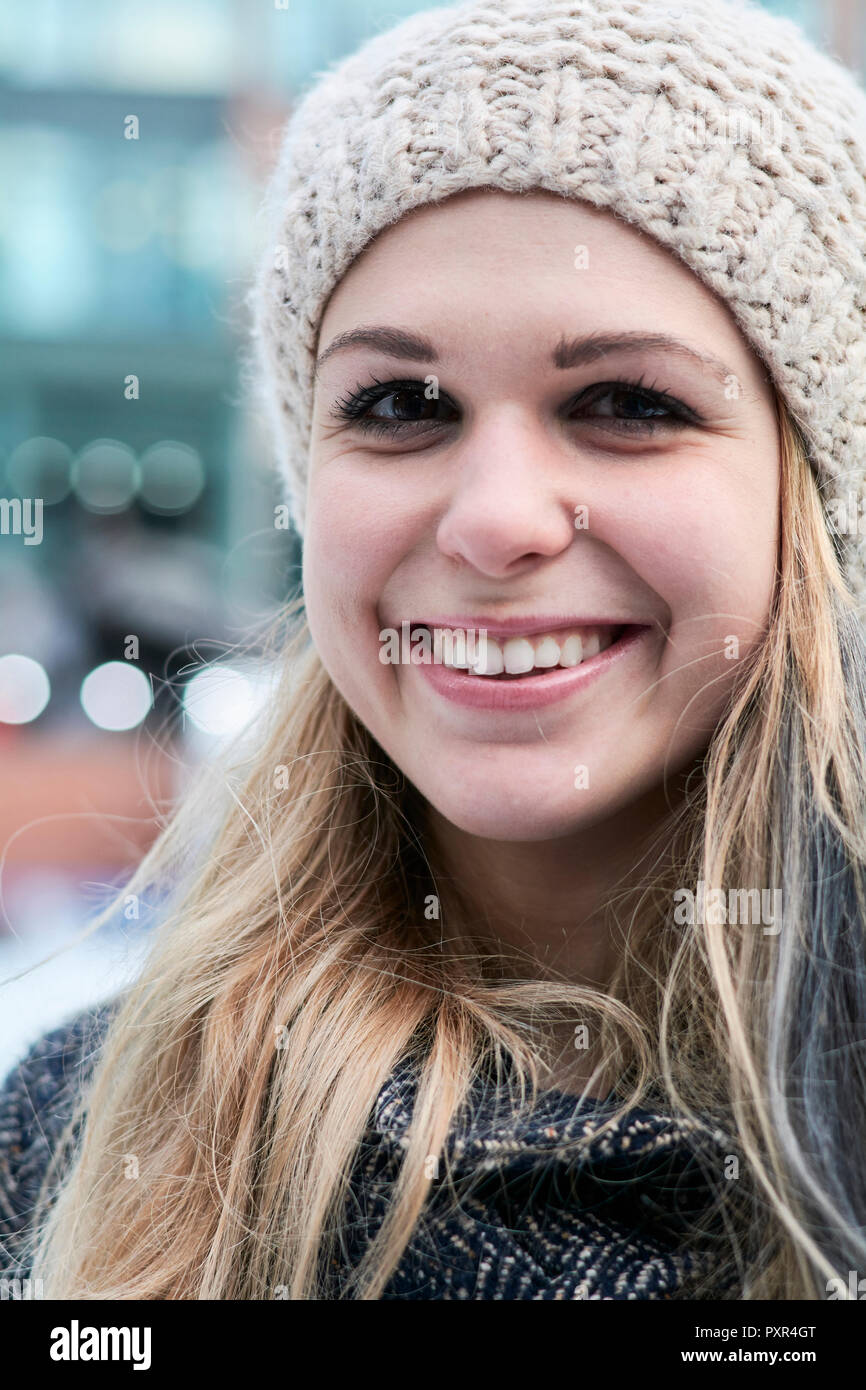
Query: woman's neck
[[536, 910]]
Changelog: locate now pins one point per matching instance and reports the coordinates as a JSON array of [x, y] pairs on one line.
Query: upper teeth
[[518, 655]]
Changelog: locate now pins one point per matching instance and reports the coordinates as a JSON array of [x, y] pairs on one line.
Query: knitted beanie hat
[[712, 125]]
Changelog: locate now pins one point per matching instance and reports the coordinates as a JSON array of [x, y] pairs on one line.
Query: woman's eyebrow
[[572, 352], [396, 342]]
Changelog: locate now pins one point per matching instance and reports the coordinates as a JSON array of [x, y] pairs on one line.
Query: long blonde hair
[[295, 965]]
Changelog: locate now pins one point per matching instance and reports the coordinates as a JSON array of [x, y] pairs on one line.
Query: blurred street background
[[134, 144]]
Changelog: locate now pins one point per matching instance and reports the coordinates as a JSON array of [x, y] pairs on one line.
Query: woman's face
[[549, 431]]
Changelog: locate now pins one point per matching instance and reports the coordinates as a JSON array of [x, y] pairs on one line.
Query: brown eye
[[405, 405], [629, 408], [634, 406], [391, 406]]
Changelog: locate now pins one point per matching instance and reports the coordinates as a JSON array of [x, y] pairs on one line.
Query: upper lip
[[527, 626]]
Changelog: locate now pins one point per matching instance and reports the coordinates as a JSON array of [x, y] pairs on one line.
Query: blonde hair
[[295, 966]]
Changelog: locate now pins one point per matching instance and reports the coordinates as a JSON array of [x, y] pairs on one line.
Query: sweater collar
[[490, 1124], [669, 1164]]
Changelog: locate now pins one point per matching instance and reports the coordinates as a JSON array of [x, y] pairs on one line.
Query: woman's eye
[[391, 406], [632, 409], [622, 407], [408, 405]]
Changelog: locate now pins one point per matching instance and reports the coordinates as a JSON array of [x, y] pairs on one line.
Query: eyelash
[[353, 407]]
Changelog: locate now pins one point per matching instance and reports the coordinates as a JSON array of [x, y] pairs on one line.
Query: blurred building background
[[134, 143]]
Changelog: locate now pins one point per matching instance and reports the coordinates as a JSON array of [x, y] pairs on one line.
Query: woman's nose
[[511, 500]]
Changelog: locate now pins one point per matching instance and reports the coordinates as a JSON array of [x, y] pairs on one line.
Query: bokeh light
[[172, 477], [106, 476], [40, 467], [224, 700], [116, 696], [24, 689]]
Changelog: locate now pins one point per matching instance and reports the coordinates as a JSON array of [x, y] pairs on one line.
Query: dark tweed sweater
[[529, 1222]]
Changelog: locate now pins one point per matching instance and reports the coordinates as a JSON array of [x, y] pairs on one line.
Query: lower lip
[[486, 692]]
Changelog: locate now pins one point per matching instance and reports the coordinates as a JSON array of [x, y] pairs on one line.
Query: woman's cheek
[[342, 541], [368, 522], [349, 554], [366, 498], [705, 547]]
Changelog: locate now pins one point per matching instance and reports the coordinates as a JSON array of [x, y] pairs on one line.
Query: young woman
[[533, 969]]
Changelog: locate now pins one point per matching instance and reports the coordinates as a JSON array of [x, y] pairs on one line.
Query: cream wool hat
[[713, 126]]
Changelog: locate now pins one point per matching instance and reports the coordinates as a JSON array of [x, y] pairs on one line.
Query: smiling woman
[[458, 510], [531, 970]]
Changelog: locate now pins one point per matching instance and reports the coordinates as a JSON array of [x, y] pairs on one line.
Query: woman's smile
[[542, 671]]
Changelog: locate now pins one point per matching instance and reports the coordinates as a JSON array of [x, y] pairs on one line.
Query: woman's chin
[[501, 813]]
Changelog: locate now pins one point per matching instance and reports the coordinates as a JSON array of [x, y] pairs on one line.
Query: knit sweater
[[530, 1221]]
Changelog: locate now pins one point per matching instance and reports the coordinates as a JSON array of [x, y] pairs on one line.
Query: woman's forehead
[[536, 270]]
